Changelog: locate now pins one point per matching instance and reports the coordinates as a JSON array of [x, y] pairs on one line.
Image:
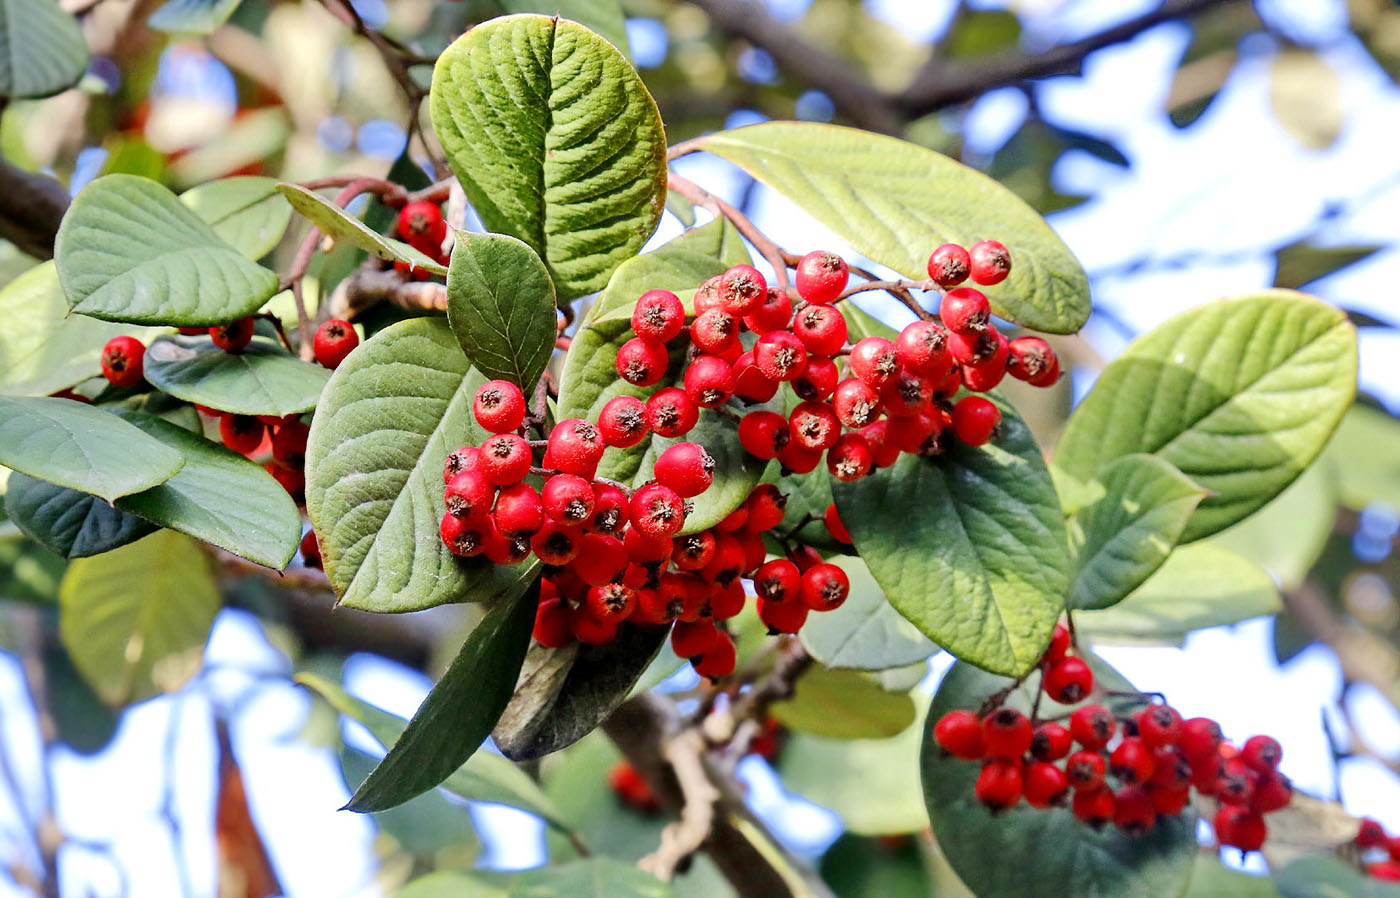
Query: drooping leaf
[[1240, 395], [970, 546], [603, 16], [263, 379], [1122, 538], [129, 250], [42, 50], [70, 523], [895, 201], [1200, 585], [600, 877], [564, 693], [1312, 877], [390, 414], [500, 303], [844, 704], [460, 711], [865, 632], [427, 827], [336, 222], [71, 444], [135, 619], [247, 212], [1024, 851], [555, 140], [46, 349], [192, 16]]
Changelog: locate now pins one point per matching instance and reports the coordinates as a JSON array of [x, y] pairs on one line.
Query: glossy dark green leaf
[[263, 379], [336, 222], [192, 16], [67, 522], [43, 51], [844, 704], [459, 713], [247, 212], [555, 140], [75, 445], [1240, 395], [500, 303], [866, 632], [129, 250]]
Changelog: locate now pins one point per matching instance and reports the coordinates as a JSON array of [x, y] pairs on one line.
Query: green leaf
[[555, 140], [863, 866], [460, 711], [602, 16], [129, 250], [43, 49], [29, 572], [219, 497], [451, 884], [484, 777], [1287, 536], [1025, 851], [248, 213], [135, 619], [1329, 877], [336, 222], [1122, 538], [500, 303], [70, 523], [865, 632], [986, 575], [82, 722], [1200, 585], [895, 201], [75, 445], [844, 704], [46, 349], [1360, 452], [263, 379], [390, 414], [1213, 879], [429, 828], [1240, 395], [192, 16], [601, 877], [1303, 261], [564, 693], [680, 207]]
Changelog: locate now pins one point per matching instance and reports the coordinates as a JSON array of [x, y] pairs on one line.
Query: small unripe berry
[[335, 339], [234, 336], [991, 262], [825, 587], [773, 315], [873, 360], [821, 276], [781, 617], [1085, 770], [763, 433], [670, 413], [850, 458], [640, 363], [1007, 733], [568, 499], [975, 420], [959, 733], [780, 356], [421, 225], [709, 381], [742, 289], [469, 496], [505, 459], [822, 329], [576, 447], [1045, 785], [1068, 680], [556, 543], [835, 526], [949, 265], [922, 347], [999, 785], [657, 511], [819, 379], [552, 624], [241, 433], [965, 310], [499, 406], [1050, 742], [691, 640], [622, 421], [686, 468], [658, 316], [856, 402], [719, 660], [122, 361], [750, 383]]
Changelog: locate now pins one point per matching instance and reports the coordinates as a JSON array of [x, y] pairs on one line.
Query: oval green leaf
[[263, 379], [42, 50], [895, 202], [67, 522], [129, 250], [500, 303], [75, 445], [603, 16], [461, 709], [1240, 395], [248, 213], [865, 632], [556, 141], [390, 414], [336, 222], [970, 546], [844, 704]]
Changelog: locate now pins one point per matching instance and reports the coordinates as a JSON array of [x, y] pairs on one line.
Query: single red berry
[[242, 433], [556, 543], [822, 329], [1059, 645], [567, 499], [983, 376], [1093, 806], [914, 433], [499, 406], [1092, 726], [824, 587], [763, 433], [728, 561], [1273, 792], [834, 525], [1085, 770], [922, 347], [950, 384], [1133, 812], [728, 601], [1007, 733], [576, 447], [600, 558], [622, 421], [334, 340], [975, 420], [1132, 761], [991, 263], [693, 639], [884, 452], [1159, 725], [505, 459], [755, 551], [1172, 770], [1045, 785], [856, 403], [293, 480], [1200, 738], [686, 468], [234, 336], [814, 426], [1385, 871], [949, 265], [1068, 680], [693, 551], [310, 549], [1206, 773], [874, 360], [670, 413], [742, 290], [819, 379], [684, 594], [850, 458], [518, 511], [469, 496], [646, 549], [1371, 834], [465, 539], [750, 383], [778, 581], [610, 602], [766, 506], [1392, 845], [718, 661], [779, 356], [965, 311], [657, 511], [658, 316], [821, 276], [773, 315], [123, 361], [1169, 802], [1262, 753], [609, 509], [797, 459], [552, 624], [1030, 358], [959, 733], [640, 363], [465, 458], [289, 444], [707, 295], [907, 394], [1240, 828], [715, 331], [781, 617], [589, 630], [421, 225], [985, 349], [709, 381], [1050, 742], [999, 784], [1235, 784]]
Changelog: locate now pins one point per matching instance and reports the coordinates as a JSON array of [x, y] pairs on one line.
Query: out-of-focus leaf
[[1306, 95], [1303, 262]]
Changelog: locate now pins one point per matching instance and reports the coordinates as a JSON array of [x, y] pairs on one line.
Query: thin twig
[[698, 195]]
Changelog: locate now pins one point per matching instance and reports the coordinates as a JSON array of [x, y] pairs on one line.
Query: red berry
[[821, 276], [873, 360], [589, 630], [234, 336], [779, 356], [505, 459], [609, 509], [1132, 761], [834, 525], [1200, 738], [778, 581], [333, 342], [763, 433], [686, 468], [422, 226], [884, 452], [767, 507], [1007, 733], [658, 316], [241, 433], [949, 265], [965, 311], [1159, 725], [1045, 785], [728, 601], [1093, 806], [576, 447], [750, 383], [814, 426], [123, 361], [922, 348], [609, 602], [469, 496], [552, 624], [718, 661], [1371, 834], [1050, 742], [1092, 726], [504, 548], [646, 549], [728, 561], [1059, 645], [293, 480], [556, 543], [464, 539], [709, 381], [289, 444], [1172, 770], [907, 394], [983, 376], [781, 617], [693, 639], [850, 458], [914, 433], [1068, 680], [819, 379], [310, 549], [1133, 812], [999, 785], [824, 587], [518, 511], [622, 421], [640, 363], [1030, 358], [822, 329], [991, 263], [657, 511], [1169, 802], [684, 595], [742, 290], [975, 420], [1273, 792], [670, 413], [694, 551], [1085, 770], [857, 403], [1385, 871], [568, 499], [1235, 784], [499, 406], [600, 558], [754, 551], [797, 459], [466, 458], [1262, 753], [773, 315], [959, 733], [1240, 828]]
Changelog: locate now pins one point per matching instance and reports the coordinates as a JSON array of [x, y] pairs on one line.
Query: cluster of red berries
[[422, 227], [280, 439], [1154, 756], [894, 395], [1373, 838]]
